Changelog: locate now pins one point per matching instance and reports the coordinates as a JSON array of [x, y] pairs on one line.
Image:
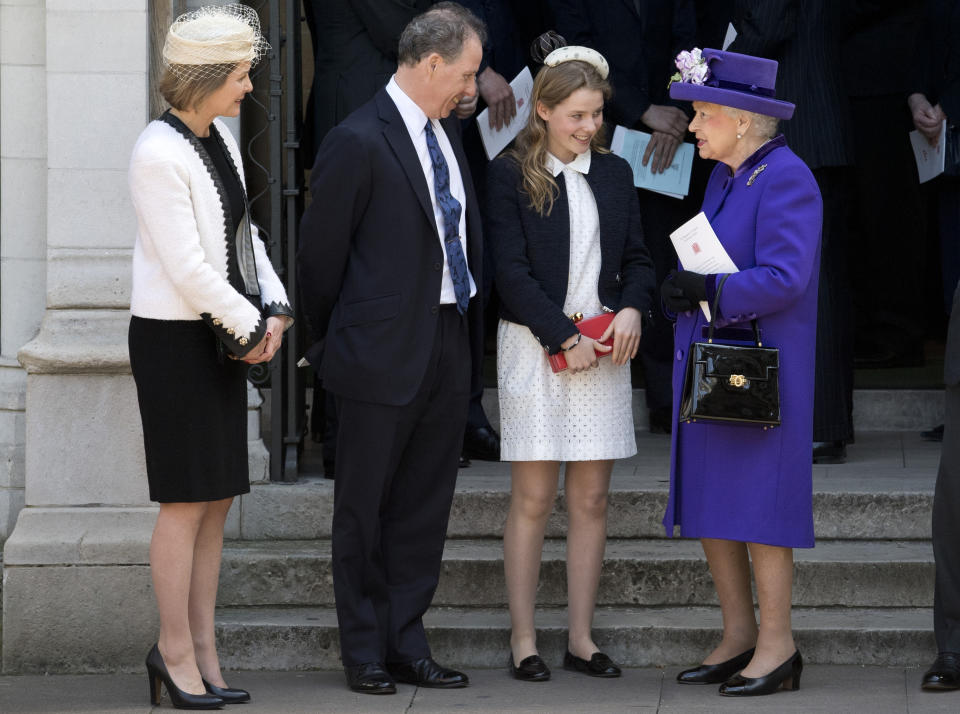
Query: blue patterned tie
[[450, 209]]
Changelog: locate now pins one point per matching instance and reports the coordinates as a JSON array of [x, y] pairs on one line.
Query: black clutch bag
[[732, 383]]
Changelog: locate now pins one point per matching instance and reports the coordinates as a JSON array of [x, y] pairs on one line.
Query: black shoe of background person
[[329, 469], [934, 434], [427, 673], [464, 462], [482, 444], [599, 665], [829, 452], [888, 359], [661, 420], [944, 673], [370, 678], [530, 669]]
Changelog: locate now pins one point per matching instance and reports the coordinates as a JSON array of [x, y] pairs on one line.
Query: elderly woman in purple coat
[[744, 491]]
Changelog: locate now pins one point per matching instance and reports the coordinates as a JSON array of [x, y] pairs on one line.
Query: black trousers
[[833, 386], [396, 472], [946, 530]]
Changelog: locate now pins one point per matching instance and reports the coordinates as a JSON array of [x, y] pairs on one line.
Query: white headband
[[583, 54], [221, 35]]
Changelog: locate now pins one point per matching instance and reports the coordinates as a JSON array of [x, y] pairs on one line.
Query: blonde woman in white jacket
[[206, 303]]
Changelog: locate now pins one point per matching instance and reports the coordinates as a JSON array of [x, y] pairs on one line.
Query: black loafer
[[482, 444], [370, 678], [599, 665], [530, 669], [427, 673], [716, 673], [944, 673], [829, 452], [227, 694]]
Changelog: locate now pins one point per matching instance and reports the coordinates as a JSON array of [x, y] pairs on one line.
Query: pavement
[[824, 688]]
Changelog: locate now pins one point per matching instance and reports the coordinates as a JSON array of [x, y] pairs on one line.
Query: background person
[[206, 302], [747, 492], [565, 224]]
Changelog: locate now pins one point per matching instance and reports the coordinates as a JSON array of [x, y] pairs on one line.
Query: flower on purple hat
[[693, 68]]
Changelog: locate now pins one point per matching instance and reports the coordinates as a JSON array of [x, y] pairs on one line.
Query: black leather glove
[[682, 291]]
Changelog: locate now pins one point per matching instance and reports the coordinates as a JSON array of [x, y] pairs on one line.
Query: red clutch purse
[[592, 327]]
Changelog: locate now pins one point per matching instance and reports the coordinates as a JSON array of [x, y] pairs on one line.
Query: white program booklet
[[700, 251], [494, 140], [630, 144], [929, 158]]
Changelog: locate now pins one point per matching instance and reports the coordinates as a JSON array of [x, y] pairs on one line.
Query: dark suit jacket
[[640, 47], [370, 260], [878, 46], [355, 53], [951, 358], [532, 252], [804, 37], [938, 57]]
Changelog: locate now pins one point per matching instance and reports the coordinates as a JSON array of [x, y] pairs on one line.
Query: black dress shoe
[[370, 678], [530, 669], [716, 673], [227, 694], [599, 665], [787, 675], [427, 673], [482, 444], [464, 462], [158, 674], [934, 434], [829, 452], [944, 673]]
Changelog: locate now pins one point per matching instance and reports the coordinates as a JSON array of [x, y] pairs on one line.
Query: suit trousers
[[833, 386], [396, 472], [946, 530]]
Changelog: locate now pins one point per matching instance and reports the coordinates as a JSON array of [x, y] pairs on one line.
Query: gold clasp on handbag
[[737, 380], [577, 316]]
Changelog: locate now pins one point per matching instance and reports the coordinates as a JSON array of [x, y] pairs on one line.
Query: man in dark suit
[[640, 39], [945, 671], [804, 37], [390, 259]]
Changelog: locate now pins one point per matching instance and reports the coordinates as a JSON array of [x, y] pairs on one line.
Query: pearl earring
[[739, 136]]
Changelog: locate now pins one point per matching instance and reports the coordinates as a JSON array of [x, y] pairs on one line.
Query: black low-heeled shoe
[[716, 673], [158, 674], [530, 669], [599, 665], [787, 675], [228, 694]]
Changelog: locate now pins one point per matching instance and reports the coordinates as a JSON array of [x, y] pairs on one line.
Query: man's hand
[[466, 107], [662, 147], [498, 94], [625, 330], [926, 118], [668, 119]]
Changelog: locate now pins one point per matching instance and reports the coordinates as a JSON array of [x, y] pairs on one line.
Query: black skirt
[[194, 411]]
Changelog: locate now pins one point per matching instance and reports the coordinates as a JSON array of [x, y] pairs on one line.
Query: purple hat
[[730, 79]]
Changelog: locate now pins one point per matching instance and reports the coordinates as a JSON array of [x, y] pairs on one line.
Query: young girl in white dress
[[564, 225]]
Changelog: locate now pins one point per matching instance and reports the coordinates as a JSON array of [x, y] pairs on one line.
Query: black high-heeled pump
[[157, 672], [716, 673], [787, 675], [228, 694]]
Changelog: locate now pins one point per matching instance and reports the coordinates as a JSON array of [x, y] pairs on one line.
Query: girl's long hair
[[551, 87]]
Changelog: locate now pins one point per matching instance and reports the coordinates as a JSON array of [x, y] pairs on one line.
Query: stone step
[[636, 572], [306, 638]]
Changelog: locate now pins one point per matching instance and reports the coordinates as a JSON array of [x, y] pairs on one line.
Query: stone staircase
[[862, 596]]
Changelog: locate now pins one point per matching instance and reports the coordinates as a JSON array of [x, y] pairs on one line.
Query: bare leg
[[586, 485], [203, 589], [532, 495], [730, 569], [773, 570], [171, 565]]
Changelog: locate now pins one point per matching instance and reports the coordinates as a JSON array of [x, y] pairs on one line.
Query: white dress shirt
[[416, 120]]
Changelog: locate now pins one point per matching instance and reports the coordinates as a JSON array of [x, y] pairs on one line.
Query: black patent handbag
[[732, 383]]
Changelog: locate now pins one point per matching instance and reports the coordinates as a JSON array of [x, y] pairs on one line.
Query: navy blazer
[[532, 252], [370, 260]]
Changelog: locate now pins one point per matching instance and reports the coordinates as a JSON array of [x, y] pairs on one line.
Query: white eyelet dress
[[565, 417]]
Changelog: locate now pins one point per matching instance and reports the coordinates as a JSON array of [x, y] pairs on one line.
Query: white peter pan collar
[[581, 164]]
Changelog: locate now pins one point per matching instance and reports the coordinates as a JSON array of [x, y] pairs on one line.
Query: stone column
[[77, 593], [23, 189]]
